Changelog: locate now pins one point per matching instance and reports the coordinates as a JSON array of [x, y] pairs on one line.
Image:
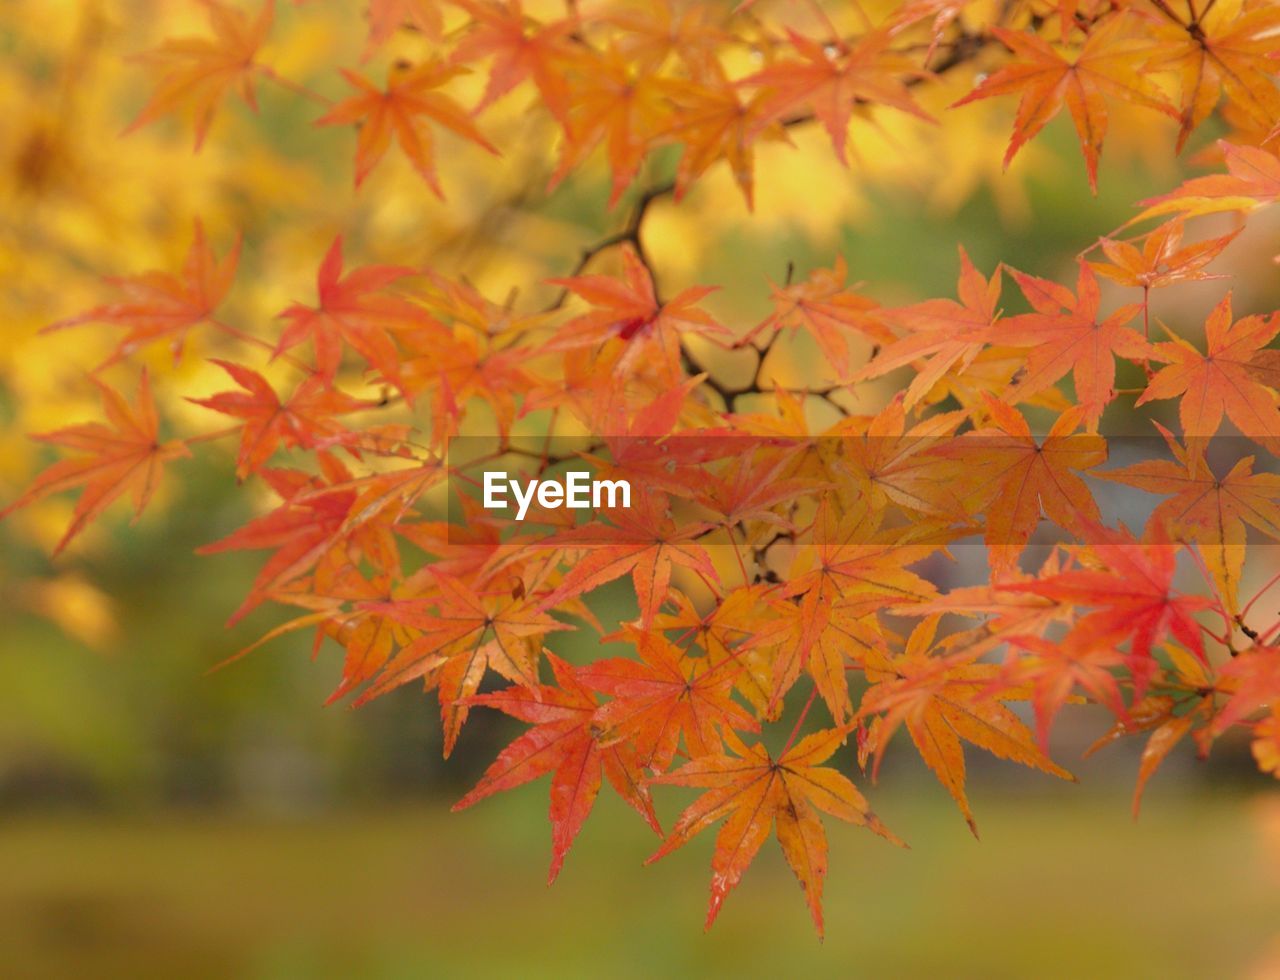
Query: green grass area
[[1062, 885]]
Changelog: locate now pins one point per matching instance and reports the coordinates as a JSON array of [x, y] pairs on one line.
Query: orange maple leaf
[[462, 632], [199, 72], [833, 78], [566, 742], [1226, 47], [354, 310], [1007, 474], [306, 419], [402, 112], [1130, 589], [714, 122], [943, 698], [123, 455], [827, 309], [317, 514], [1108, 64], [1210, 510], [1222, 380], [1163, 259], [157, 305], [1065, 334], [942, 334], [753, 793], [664, 696], [618, 103], [388, 16], [1252, 180], [629, 310], [520, 48], [660, 30], [645, 542], [1054, 670]]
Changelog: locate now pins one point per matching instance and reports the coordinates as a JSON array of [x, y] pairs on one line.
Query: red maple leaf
[[629, 310], [353, 310], [566, 742], [1132, 598]]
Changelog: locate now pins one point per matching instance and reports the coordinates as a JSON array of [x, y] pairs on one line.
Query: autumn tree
[[852, 523]]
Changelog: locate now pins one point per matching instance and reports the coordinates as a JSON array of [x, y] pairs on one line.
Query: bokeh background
[[160, 820]]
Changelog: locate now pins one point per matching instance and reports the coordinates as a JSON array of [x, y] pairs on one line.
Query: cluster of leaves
[[775, 565]]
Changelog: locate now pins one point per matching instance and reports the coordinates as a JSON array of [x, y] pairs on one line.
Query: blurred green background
[[160, 821]]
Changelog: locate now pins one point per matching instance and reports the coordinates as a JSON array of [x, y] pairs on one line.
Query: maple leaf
[[946, 335], [388, 16], [1012, 613], [306, 419], [1105, 65], [1252, 180], [754, 793], [833, 78], [629, 310], [1224, 48], [1005, 473], [824, 635], [319, 513], [468, 633], [369, 638], [402, 112], [665, 696], [1163, 260], [1054, 670], [158, 305], [644, 542], [848, 571], [663, 29], [459, 368], [1168, 723], [889, 463], [1132, 598], [520, 48], [1161, 742], [354, 310], [827, 309], [1212, 511], [850, 557], [1066, 334], [752, 486], [713, 122], [944, 699], [724, 632], [618, 103], [1252, 679], [122, 455], [1222, 380], [197, 73], [566, 742]]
